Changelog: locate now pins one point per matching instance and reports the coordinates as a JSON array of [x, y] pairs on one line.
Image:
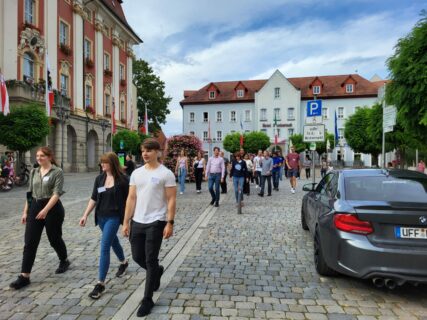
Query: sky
[[190, 43]]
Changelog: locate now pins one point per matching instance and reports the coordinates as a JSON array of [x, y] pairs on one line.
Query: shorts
[[293, 173]]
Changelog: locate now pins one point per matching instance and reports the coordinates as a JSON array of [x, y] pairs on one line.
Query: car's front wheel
[[303, 221], [319, 260]]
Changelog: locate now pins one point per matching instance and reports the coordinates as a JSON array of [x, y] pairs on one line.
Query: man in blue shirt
[[277, 166]]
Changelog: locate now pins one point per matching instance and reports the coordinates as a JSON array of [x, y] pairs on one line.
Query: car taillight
[[350, 223]]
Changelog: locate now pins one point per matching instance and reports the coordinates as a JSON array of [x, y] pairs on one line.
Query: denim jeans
[[214, 178], [109, 227], [281, 173], [276, 177], [263, 178], [181, 179], [238, 183]]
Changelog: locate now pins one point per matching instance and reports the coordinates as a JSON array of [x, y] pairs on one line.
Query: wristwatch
[[171, 222]]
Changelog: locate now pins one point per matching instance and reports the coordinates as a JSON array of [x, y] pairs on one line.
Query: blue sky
[[192, 42]]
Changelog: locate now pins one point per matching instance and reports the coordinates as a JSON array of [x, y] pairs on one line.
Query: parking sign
[[314, 108]]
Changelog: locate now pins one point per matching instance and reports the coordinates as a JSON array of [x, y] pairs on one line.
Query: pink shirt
[[421, 167], [215, 165], [293, 160]]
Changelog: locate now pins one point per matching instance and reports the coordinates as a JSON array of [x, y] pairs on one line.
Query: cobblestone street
[[219, 265]]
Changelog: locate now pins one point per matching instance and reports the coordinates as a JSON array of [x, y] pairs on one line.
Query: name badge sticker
[[101, 189], [155, 180], [45, 179]]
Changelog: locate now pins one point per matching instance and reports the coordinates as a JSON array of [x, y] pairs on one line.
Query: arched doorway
[[71, 147], [108, 143], [92, 149]]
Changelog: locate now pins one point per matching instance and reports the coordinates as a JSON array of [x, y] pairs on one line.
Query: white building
[[216, 109]]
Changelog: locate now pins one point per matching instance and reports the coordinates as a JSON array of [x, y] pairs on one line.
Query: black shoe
[[20, 282], [212, 202], [269, 195], [145, 308], [260, 194], [97, 291], [122, 269], [161, 270], [216, 204], [63, 266]]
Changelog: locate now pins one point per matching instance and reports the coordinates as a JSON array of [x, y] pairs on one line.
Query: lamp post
[[62, 111], [104, 124]]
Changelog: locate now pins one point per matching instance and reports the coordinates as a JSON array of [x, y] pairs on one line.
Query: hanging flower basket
[[108, 72], [90, 110], [89, 63], [66, 49]]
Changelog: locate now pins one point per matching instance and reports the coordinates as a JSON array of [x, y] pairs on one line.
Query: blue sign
[[314, 108]]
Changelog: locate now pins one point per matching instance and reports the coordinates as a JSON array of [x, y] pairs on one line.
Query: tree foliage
[[131, 142], [298, 142], [24, 127], [321, 146], [408, 87], [150, 94], [252, 142], [231, 142]]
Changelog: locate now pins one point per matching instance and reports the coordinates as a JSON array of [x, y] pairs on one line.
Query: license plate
[[410, 233]]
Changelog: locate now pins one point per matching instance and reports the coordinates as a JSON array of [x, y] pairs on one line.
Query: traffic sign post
[[314, 133], [389, 121], [314, 108]]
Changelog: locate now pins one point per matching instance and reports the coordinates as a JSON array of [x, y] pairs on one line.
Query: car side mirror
[[309, 187]]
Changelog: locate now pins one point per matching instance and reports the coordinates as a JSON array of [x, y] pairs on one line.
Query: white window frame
[[219, 116], [277, 114], [107, 98], [340, 133], [64, 83], [240, 93], [191, 117], [63, 32], [29, 16], [325, 114], [219, 136], [205, 119], [263, 114], [277, 93], [87, 48], [205, 136], [340, 115], [316, 89], [291, 132], [29, 65], [122, 110], [349, 88], [212, 94], [122, 72], [248, 115], [233, 116], [291, 115], [106, 61], [88, 95]]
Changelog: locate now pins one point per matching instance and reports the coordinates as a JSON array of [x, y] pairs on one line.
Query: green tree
[[231, 142], [408, 87], [321, 146], [131, 141], [150, 94], [256, 140], [298, 142], [24, 128]]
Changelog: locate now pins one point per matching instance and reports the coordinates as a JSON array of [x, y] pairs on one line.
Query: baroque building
[[87, 45]]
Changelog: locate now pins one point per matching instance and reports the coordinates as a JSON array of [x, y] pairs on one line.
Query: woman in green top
[[43, 209]]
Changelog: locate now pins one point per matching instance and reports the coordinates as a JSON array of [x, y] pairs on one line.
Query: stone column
[[8, 38], [51, 39], [130, 102], [116, 74], [99, 58], [78, 79]]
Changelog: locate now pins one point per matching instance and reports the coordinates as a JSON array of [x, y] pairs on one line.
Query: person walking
[[267, 167], [129, 165], [226, 165], [215, 173], [277, 166], [43, 209], [181, 170], [279, 154], [150, 210], [199, 171], [239, 174], [292, 161], [307, 166], [258, 169], [421, 167], [249, 175], [323, 167], [109, 194]]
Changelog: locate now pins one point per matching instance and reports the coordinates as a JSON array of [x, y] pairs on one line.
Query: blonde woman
[[181, 170]]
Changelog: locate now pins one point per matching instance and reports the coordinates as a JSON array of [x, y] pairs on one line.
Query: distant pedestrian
[[277, 166], [323, 167], [267, 169], [307, 166], [421, 166], [43, 209], [150, 207], [109, 194], [181, 170], [292, 161], [250, 166], [199, 171], [226, 165], [239, 173], [215, 172], [282, 166], [129, 165], [258, 168]]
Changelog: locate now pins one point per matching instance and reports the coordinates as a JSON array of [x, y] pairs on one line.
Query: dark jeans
[[145, 241], [263, 178], [276, 177], [258, 178], [307, 173], [199, 178], [34, 229], [214, 179], [224, 184]]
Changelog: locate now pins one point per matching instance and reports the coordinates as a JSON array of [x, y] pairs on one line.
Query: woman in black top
[[239, 173], [109, 200]]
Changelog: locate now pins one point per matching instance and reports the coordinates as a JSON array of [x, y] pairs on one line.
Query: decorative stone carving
[[65, 67], [116, 40], [31, 38], [130, 53], [78, 8], [89, 77], [99, 26]]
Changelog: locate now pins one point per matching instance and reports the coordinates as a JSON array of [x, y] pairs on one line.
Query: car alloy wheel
[[303, 221], [319, 261]]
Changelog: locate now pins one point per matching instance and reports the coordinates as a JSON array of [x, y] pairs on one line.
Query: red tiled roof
[[332, 87]]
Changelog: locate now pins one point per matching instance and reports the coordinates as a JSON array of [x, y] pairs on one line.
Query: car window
[[323, 184]]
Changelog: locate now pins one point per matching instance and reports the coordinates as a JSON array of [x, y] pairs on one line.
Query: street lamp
[[62, 111], [104, 124]]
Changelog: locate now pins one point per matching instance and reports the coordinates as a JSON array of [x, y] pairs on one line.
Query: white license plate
[[410, 233]]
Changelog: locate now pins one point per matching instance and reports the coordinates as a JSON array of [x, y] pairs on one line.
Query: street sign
[[312, 146], [389, 117], [314, 108], [388, 129], [314, 133]]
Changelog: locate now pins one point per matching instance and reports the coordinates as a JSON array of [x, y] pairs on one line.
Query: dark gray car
[[369, 224]]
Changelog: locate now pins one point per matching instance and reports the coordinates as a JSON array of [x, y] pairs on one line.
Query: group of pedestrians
[[144, 204]]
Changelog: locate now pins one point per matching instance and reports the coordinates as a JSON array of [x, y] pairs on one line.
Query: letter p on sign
[[314, 108]]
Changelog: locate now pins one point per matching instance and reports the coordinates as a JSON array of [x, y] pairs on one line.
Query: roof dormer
[[240, 90], [349, 84], [212, 90], [316, 86]]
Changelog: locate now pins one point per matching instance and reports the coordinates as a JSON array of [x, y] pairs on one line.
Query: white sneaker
[[181, 193], [293, 190]]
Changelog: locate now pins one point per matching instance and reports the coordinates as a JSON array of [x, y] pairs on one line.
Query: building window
[[191, 116], [290, 132], [325, 113], [106, 61], [218, 116], [340, 113], [29, 11], [291, 114], [240, 93], [88, 96], [28, 66], [247, 115], [263, 115], [232, 116], [341, 133], [211, 94], [107, 104], [64, 84], [264, 130], [87, 49], [349, 88], [205, 116], [63, 33], [205, 135], [276, 93], [277, 114], [316, 89], [122, 110], [219, 136], [122, 72], [191, 133]]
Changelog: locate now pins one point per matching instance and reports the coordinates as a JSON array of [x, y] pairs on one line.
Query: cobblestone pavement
[[221, 265]]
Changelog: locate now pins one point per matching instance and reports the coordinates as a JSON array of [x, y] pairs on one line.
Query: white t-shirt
[[151, 203], [257, 161]]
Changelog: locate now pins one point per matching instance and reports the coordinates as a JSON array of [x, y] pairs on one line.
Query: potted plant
[[108, 72], [89, 62], [90, 110], [66, 49]]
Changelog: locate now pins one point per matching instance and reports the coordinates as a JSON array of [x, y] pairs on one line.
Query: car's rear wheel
[[319, 260], [303, 221]]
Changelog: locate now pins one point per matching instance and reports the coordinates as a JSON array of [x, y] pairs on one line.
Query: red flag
[[113, 117], [49, 92], [275, 139], [241, 140], [4, 97]]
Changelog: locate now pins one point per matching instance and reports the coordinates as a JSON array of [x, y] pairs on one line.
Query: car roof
[[397, 173]]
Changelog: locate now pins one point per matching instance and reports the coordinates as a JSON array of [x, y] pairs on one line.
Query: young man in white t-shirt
[[258, 168], [151, 204]]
